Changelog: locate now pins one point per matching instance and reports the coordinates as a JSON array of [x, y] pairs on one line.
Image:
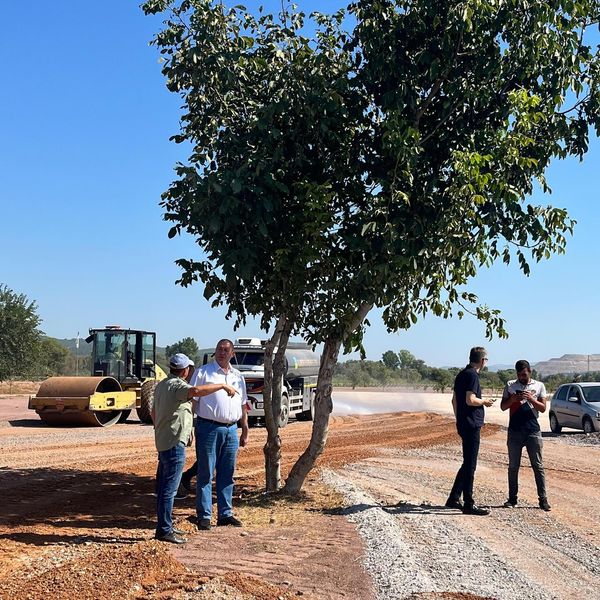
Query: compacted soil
[[77, 517]]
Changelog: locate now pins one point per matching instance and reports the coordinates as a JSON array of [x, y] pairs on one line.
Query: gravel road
[[415, 545]]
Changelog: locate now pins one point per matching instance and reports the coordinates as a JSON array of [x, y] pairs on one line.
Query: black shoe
[[204, 524], [181, 493], [172, 537], [229, 521], [510, 503], [451, 503], [544, 504], [475, 510]]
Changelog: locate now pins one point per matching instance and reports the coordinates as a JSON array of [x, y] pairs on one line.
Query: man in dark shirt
[[469, 411]]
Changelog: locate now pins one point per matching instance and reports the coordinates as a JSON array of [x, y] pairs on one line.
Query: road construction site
[[77, 513]]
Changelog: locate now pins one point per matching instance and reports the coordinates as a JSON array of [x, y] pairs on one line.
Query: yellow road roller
[[124, 374]]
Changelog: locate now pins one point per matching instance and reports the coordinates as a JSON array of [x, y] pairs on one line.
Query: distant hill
[[84, 348], [568, 364]]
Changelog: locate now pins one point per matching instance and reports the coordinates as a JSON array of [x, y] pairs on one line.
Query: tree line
[[404, 369]]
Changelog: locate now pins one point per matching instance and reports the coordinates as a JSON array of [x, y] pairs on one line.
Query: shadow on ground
[[70, 498]]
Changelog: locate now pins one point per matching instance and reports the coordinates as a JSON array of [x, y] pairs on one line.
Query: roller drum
[[77, 388]]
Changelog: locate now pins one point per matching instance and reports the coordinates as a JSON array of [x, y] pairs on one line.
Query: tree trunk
[[323, 406], [273, 381]]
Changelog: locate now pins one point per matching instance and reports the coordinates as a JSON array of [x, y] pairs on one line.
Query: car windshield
[[592, 394]]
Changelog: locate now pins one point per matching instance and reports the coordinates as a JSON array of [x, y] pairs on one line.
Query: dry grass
[[19, 387]]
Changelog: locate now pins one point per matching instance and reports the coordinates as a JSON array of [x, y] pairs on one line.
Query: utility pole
[[77, 355]]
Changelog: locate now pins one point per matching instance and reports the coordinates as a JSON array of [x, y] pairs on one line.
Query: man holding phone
[[468, 406], [525, 398]]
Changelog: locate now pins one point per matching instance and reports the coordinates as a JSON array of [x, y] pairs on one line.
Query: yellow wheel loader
[[124, 374]]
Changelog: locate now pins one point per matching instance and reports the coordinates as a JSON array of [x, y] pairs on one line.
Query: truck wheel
[[284, 415], [554, 425], [252, 421], [588, 426], [144, 412]]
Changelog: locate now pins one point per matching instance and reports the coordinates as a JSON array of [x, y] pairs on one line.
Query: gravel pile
[[580, 439], [415, 552]]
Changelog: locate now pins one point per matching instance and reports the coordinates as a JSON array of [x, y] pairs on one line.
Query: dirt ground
[[77, 510]]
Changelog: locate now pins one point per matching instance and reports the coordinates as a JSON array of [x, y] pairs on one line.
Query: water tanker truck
[[299, 380]]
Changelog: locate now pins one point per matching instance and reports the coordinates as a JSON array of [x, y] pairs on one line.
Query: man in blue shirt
[[469, 410]]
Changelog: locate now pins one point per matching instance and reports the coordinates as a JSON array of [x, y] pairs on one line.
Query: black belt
[[216, 422]]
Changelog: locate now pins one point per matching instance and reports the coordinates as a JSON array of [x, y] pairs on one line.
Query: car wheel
[[588, 426], [555, 427]]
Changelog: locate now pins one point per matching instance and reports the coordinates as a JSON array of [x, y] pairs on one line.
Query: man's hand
[[488, 401], [230, 391], [244, 437]]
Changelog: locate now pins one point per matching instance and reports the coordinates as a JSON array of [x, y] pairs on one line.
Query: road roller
[[124, 374]]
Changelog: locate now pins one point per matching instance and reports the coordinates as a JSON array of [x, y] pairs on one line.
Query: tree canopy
[[19, 334], [187, 346]]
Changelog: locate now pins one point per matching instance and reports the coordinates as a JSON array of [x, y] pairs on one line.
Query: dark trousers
[[189, 473], [533, 442], [463, 484]]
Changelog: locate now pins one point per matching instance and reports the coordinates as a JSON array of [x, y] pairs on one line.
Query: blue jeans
[[463, 484], [534, 444], [170, 468], [216, 448]]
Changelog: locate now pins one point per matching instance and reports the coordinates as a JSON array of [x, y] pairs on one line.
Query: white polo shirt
[[218, 406]]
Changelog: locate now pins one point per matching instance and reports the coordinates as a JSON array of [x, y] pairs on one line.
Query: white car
[[576, 405]]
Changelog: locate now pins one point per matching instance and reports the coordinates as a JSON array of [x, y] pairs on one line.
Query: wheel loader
[[124, 374]]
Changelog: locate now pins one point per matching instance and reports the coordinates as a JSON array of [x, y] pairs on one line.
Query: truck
[[299, 380]]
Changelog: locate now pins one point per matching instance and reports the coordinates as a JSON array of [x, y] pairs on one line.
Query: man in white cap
[[172, 415]]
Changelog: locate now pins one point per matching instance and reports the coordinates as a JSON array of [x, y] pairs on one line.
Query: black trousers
[[463, 484]]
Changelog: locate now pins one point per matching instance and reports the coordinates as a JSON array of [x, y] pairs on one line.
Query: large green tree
[[390, 359], [187, 346], [54, 358], [275, 148], [377, 167], [19, 334]]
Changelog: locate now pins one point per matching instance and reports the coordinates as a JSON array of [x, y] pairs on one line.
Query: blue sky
[[84, 156]]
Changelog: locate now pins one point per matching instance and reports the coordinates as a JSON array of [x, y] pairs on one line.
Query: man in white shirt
[[216, 436], [526, 399]]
